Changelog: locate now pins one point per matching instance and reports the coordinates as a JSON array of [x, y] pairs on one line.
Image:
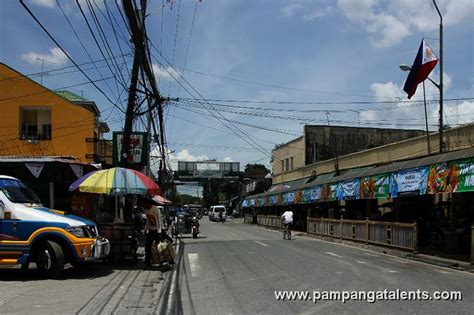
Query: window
[[35, 123], [291, 163], [287, 164], [282, 165]]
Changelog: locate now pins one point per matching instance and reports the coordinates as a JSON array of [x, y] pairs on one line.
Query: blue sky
[[320, 52]]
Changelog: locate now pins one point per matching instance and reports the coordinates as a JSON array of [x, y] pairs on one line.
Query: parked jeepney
[[30, 232]]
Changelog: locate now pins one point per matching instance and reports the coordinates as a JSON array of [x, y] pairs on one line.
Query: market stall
[[118, 188]]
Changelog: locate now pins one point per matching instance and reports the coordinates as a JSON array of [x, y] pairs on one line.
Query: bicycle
[[286, 231]]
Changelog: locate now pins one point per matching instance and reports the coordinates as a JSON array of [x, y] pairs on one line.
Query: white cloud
[[390, 24], [406, 114], [317, 14], [167, 73], [291, 9], [55, 56], [228, 159], [44, 3]]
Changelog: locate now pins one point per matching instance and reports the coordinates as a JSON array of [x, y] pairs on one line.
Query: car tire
[[49, 258]]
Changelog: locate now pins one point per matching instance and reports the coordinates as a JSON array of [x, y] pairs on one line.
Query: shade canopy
[[116, 181]]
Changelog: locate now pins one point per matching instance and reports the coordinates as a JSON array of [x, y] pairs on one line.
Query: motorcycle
[[186, 225], [194, 227]]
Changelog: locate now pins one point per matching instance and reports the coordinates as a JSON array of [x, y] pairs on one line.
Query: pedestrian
[[152, 226], [221, 215]]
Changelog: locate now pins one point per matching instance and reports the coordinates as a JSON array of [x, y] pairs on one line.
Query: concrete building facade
[[321, 143]]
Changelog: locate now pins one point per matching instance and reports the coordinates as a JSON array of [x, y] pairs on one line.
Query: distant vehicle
[[194, 209], [214, 213]]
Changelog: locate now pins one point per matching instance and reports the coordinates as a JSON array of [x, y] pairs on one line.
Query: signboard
[[273, 199], [349, 189], [289, 197], [377, 186], [245, 203], [315, 193], [138, 148], [461, 176], [409, 182], [261, 201], [438, 178], [208, 169], [299, 196], [307, 195]]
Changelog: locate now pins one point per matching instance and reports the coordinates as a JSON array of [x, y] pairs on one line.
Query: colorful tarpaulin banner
[[307, 195], [289, 197], [412, 181], [461, 176], [315, 193], [377, 186], [438, 178], [299, 196], [349, 189], [273, 200], [252, 202]]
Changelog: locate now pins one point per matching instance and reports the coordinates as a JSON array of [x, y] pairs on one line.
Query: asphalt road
[[94, 289], [234, 268]]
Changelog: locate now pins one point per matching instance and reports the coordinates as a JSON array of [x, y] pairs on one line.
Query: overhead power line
[[67, 55]]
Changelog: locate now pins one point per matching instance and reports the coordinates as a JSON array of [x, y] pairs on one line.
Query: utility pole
[[127, 130]]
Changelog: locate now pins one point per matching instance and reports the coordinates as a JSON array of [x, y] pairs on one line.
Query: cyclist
[[287, 220]]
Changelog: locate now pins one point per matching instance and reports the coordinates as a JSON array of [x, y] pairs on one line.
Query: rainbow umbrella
[[116, 181]]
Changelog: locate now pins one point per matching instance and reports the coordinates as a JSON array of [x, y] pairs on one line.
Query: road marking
[[261, 243], [392, 271], [332, 254], [361, 262], [194, 264], [339, 272], [172, 295], [444, 272], [251, 252]]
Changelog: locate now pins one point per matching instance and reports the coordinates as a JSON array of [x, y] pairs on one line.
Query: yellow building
[[35, 121]]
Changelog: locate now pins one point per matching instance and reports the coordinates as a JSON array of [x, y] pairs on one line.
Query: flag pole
[[441, 145], [426, 121]]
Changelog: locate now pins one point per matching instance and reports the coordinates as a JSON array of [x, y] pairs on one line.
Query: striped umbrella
[[116, 181]]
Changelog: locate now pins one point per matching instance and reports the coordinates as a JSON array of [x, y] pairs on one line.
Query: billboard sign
[[138, 148], [207, 169]]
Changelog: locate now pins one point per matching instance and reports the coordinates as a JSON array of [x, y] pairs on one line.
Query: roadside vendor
[[152, 226]]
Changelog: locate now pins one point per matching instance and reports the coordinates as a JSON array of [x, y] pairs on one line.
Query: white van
[[30, 232], [215, 210]]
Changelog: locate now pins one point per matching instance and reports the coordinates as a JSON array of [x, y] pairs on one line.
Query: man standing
[[152, 226]]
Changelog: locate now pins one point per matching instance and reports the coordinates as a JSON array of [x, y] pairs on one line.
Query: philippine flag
[[424, 63]]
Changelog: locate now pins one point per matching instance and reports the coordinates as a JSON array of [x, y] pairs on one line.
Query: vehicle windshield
[[18, 192]]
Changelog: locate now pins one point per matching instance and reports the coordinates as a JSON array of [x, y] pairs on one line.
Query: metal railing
[[248, 218], [392, 234], [269, 220]]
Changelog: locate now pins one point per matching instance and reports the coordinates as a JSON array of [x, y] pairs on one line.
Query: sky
[[264, 67]]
